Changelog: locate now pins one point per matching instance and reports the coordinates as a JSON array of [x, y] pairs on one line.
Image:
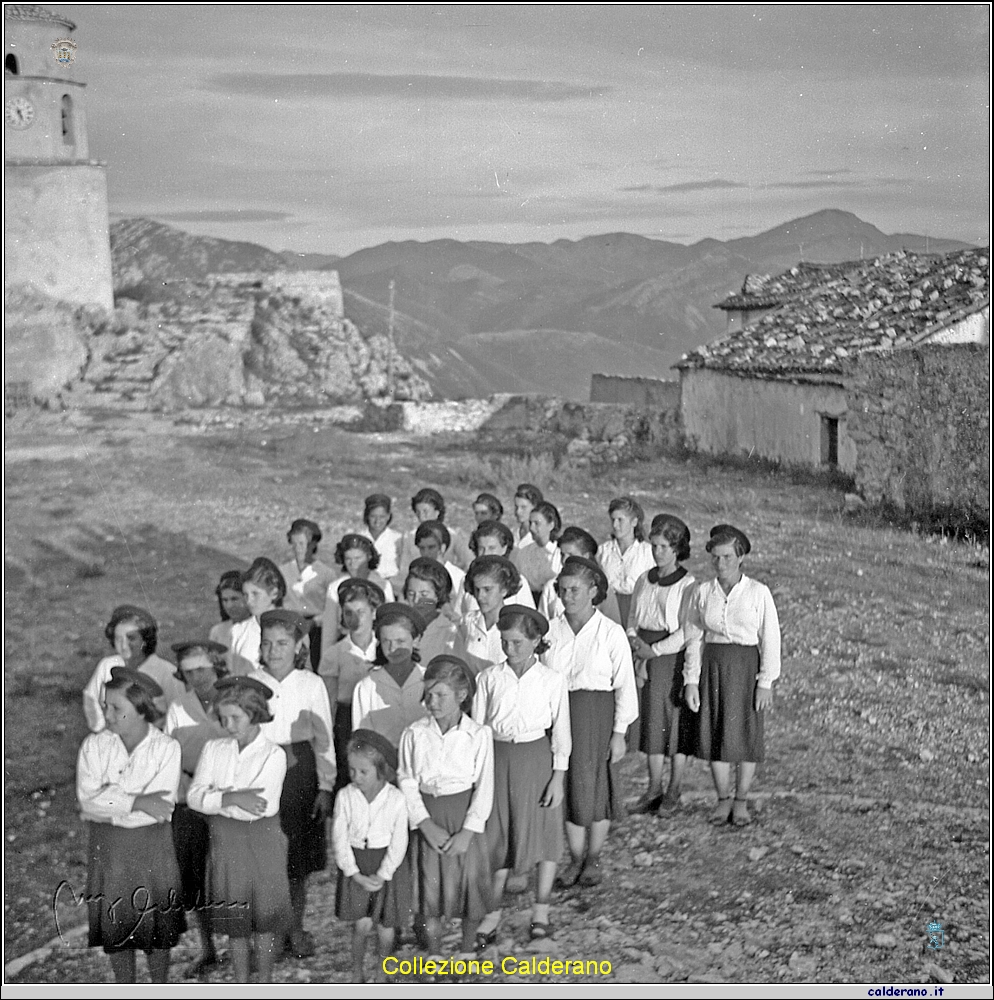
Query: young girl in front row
[[238, 784], [447, 776], [369, 836], [522, 701]]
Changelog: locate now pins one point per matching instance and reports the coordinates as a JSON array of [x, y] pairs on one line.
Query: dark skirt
[[453, 885], [133, 888], [250, 893], [191, 841], [390, 907], [731, 729], [341, 730], [306, 850], [591, 786], [662, 695], [520, 832], [314, 641]]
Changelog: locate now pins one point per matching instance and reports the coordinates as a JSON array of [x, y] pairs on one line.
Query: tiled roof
[[32, 12], [825, 313], [764, 291]]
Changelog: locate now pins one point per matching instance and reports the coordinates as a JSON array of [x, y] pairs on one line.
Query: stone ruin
[[277, 340]]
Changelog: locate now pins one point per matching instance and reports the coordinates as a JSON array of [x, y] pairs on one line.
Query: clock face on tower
[[19, 113]]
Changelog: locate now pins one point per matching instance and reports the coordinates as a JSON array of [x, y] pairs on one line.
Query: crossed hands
[[441, 841]]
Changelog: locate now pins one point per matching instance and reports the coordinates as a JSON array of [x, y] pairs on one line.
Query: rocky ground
[[872, 809]]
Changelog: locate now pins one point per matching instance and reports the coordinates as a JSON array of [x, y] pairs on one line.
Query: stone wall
[[775, 419], [645, 392], [253, 340], [590, 433], [921, 423]]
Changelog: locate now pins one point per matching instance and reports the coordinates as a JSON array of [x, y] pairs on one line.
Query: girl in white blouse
[[522, 701], [447, 776], [593, 654], [369, 837], [302, 725], [264, 589], [377, 515], [624, 557], [491, 580], [659, 609], [134, 635], [733, 658], [127, 776], [238, 784], [231, 605]]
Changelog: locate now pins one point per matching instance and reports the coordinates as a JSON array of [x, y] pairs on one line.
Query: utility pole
[[392, 347]]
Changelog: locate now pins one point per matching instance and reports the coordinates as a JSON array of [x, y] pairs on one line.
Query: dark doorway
[[829, 440]]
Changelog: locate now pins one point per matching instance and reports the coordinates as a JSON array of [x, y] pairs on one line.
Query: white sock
[[489, 922], [540, 913]]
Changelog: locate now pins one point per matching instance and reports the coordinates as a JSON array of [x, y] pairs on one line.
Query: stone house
[[776, 386]]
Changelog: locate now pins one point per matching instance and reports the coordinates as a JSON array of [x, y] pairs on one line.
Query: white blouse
[[359, 823], [624, 568], [223, 768], [243, 653], [306, 588], [549, 603], [445, 764], [161, 671], [597, 658], [191, 725], [388, 546], [109, 779], [746, 616], [522, 709], [657, 608], [478, 645], [439, 637], [301, 714], [348, 664], [380, 704]]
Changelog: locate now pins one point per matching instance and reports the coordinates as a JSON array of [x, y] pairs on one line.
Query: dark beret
[[573, 563], [287, 618], [378, 741], [244, 683], [132, 676], [730, 529], [208, 645], [393, 612], [521, 609]]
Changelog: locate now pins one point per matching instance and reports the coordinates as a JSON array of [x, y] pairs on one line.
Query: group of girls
[[452, 736]]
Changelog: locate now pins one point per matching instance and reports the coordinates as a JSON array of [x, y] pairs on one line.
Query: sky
[[331, 128]]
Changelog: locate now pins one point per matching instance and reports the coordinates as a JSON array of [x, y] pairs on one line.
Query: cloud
[[828, 173], [715, 184], [224, 215], [801, 185], [413, 85]]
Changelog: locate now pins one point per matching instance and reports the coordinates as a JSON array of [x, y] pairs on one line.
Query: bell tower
[[56, 230]]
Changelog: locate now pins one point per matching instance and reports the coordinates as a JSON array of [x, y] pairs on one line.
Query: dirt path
[[872, 805]]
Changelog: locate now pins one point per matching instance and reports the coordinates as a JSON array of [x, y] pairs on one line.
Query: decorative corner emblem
[[936, 936], [64, 50]]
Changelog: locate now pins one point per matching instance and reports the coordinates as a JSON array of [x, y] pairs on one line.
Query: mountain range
[[478, 317]]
